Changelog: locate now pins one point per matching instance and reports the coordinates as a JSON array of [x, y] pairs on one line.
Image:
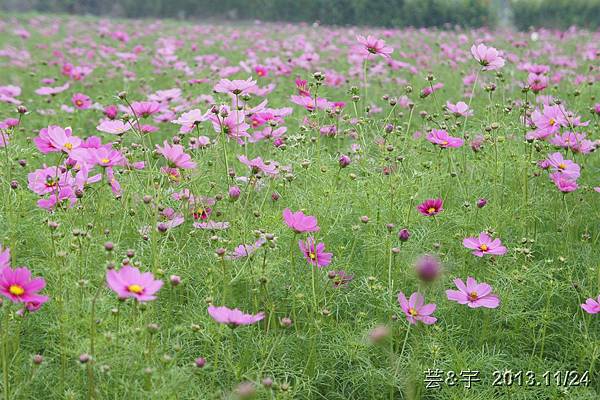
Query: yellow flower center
[[445, 142], [562, 166], [552, 121], [137, 289], [483, 247], [473, 295], [68, 146], [312, 255], [79, 103], [413, 312], [430, 210], [105, 161], [16, 290]]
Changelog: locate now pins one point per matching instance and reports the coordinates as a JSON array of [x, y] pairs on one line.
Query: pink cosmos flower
[[65, 197], [81, 101], [176, 156], [212, 225], [557, 163], [537, 83], [372, 46], [564, 183], [591, 306], [190, 119], [473, 294], [233, 318], [51, 91], [47, 139], [245, 250], [427, 90], [143, 109], [54, 139], [488, 57], [111, 111], [415, 309], [48, 179], [17, 286], [441, 138], [311, 104], [299, 222], [258, 165], [484, 244], [114, 127], [4, 257], [431, 207], [235, 87], [130, 282], [315, 255], [460, 109], [104, 157]]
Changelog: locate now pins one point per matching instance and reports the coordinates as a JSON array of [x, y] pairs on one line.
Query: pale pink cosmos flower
[[299, 222], [484, 244], [415, 309], [568, 168], [258, 165], [488, 57], [460, 109], [233, 318], [52, 91], [473, 294], [591, 306], [48, 139], [4, 257], [189, 120], [371, 45], [176, 156], [315, 255], [441, 138], [114, 127], [129, 282], [236, 87]]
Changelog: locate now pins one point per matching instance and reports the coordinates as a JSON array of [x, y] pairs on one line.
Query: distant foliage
[[556, 13], [389, 13]]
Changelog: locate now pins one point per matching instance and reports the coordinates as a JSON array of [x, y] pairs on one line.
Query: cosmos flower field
[[274, 211]]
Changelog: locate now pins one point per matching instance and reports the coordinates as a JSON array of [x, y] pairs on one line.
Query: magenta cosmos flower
[[145, 108], [18, 287], [130, 282], [81, 101], [299, 222], [484, 244], [441, 138], [473, 294], [372, 45], [431, 207], [488, 57], [415, 309], [315, 255], [176, 156], [591, 306], [233, 318]]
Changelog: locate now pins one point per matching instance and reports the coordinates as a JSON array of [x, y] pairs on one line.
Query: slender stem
[[4, 355], [405, 340]]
